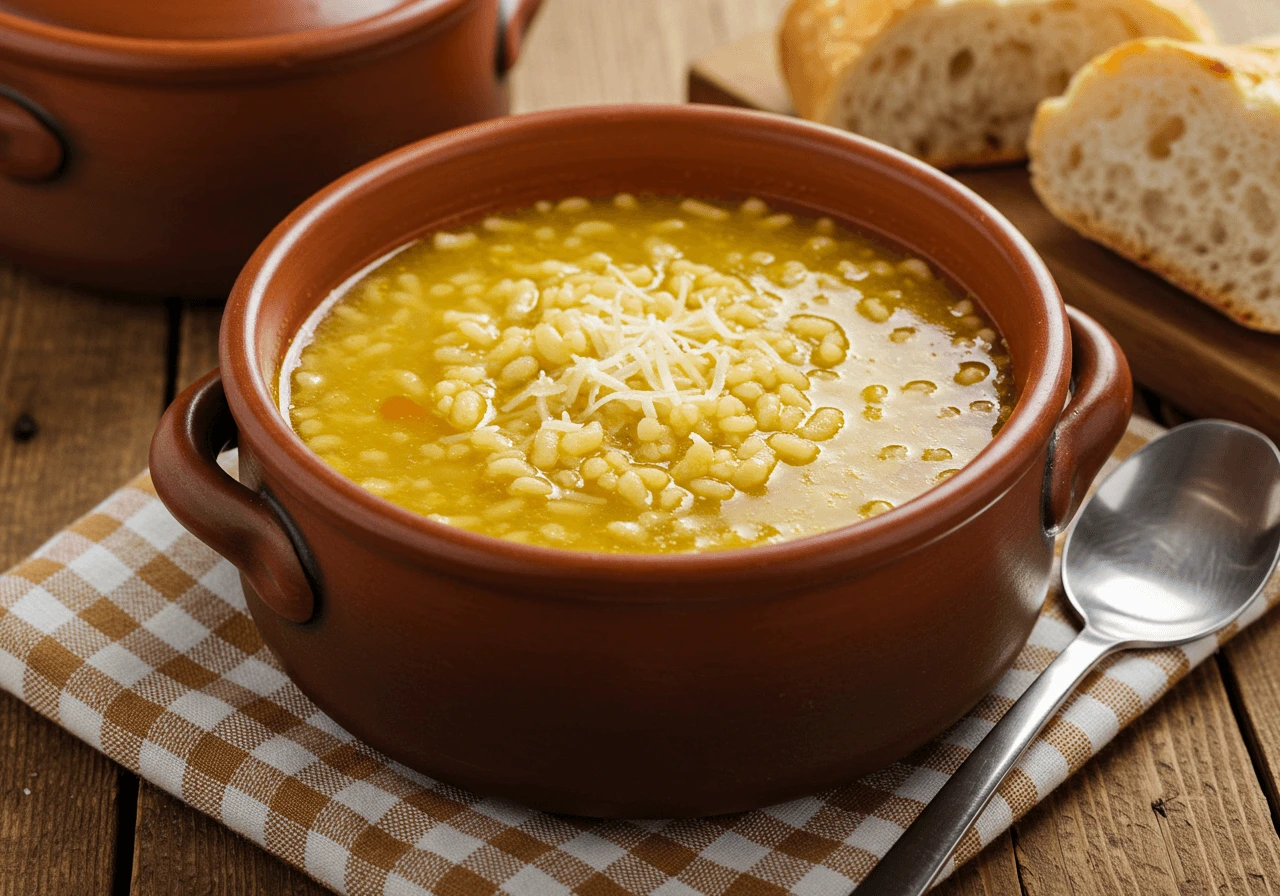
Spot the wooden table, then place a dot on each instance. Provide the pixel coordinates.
(1185, 801)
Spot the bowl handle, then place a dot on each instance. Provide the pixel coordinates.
(238, 523)
(1093, 421)
(32, 150)
(514, 19)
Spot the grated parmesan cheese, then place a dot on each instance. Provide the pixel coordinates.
(636, 352)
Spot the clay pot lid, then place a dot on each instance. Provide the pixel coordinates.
(200, 19)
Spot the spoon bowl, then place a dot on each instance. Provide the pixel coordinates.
(1177, 542)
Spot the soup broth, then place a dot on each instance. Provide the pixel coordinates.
(648, 375)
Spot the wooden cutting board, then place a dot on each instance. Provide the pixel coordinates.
(1184, 351)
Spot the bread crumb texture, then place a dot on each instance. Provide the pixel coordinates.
(1169, 153)
(956, 82)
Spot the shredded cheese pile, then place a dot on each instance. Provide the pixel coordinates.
(656, 348)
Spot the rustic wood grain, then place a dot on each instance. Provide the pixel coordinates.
(58, 809)
(91, 374)
(1171, 806)
(994, 872)
(744, 73)
(1252, 665)
(197, 342)
(179, 851)
(583, 52)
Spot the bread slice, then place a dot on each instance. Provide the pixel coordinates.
(1169, 153)
(956, 82)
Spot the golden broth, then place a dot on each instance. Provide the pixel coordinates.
(649, 375)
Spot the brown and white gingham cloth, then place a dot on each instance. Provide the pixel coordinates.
(134, 636)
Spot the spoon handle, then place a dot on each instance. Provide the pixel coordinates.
(915, 859)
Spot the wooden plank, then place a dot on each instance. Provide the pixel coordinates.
(1252, 664)
(59, 805)
(615, 51)
(197, 342)
(993, 873)
(1171, 806)
(90, 373)
(180, 851)
(1167, 335)
(744, 73)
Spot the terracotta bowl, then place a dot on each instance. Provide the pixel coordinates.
(148, 146)
(643, 685)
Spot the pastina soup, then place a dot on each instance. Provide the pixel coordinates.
(648, 375)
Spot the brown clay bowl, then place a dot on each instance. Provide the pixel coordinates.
(643, 685)
(148, 146)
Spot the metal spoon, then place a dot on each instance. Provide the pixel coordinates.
(1174, 546)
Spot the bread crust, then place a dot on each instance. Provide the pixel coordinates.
(819, 40)
(1253, 69)
(1166, 267)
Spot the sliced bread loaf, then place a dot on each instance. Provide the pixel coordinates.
(956, 82)
(1169, 153)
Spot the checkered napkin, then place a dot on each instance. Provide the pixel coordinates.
(134, 636)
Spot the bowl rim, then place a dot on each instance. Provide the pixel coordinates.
(127, 57)
(413, 537)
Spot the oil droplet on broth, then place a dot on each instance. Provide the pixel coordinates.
(874, 508)
(972, 372)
